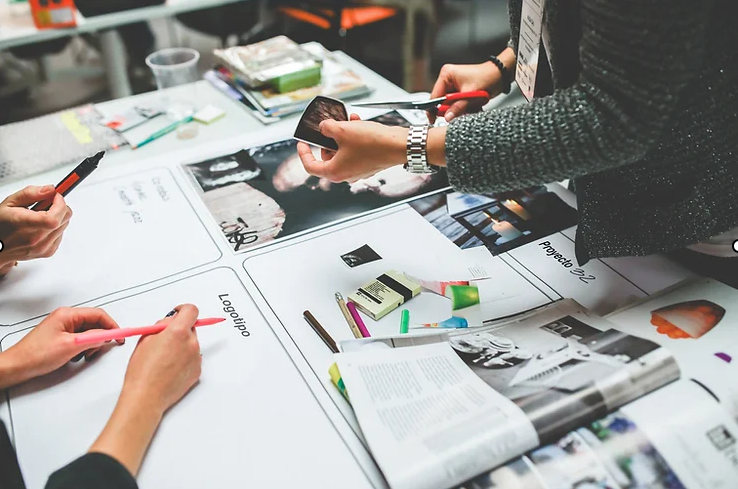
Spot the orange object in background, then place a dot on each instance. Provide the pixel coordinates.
(48, 14)
(350, 17)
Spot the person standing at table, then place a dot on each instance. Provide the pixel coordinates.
(162, 369)
(636, 102)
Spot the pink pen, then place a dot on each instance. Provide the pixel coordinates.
(101, 336)
(355, 314)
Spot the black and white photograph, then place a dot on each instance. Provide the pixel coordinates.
(261, 194)
(558, 363)
(499, 222)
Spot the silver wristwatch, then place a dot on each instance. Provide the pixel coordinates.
(417, 160)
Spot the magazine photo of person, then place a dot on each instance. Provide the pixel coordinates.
(289, 201)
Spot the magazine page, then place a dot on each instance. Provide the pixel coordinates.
(696, 321)
(677, 437)
(556, 368)
(429, 421)
(560, 364)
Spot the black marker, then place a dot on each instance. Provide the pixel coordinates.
(74, 178)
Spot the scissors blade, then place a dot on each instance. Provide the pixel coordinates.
(422, 105)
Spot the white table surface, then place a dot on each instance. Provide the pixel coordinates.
(236, 125)
(18, 30)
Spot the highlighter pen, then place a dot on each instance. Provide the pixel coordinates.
(101, 336)
(347, 316)
(338, 381)
(74, 178)
(162, 132)
(357, 319)
(404, 321)
(320, 331)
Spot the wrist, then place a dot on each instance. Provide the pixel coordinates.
(141, 400)
(13, 369)
(398, 146)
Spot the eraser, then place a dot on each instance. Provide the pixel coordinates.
(208, 114)
(384, 294)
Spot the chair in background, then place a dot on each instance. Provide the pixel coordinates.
(335, 17)
(235, 19)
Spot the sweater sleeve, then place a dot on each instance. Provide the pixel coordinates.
(637, 57)
(92, 471)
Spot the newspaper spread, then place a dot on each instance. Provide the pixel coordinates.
(461, 403)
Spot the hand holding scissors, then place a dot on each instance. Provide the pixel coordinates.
(437, 106)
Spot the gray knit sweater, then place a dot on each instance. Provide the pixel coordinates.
(643, 117)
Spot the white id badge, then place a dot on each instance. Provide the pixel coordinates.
(529, 45)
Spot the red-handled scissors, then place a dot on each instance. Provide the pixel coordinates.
(439, 105)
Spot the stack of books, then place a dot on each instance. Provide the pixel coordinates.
(275, 87)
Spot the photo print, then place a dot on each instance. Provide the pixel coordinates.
(559, 363)
(262, 194)
(500, 222)
(320, 109)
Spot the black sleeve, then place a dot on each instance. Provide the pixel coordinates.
(92, 471)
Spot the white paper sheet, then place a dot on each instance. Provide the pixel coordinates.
(250, 422)
(125, 232)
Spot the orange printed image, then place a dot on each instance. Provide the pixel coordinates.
(690, 319)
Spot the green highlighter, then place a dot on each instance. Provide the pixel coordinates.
(404, 321)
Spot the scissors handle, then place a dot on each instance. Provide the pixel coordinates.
(454, 97)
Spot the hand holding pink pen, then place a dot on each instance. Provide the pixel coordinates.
(101, 336)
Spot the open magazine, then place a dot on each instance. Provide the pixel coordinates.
(437, 410)
(449, 410)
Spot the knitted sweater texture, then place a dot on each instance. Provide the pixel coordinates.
(643, 117)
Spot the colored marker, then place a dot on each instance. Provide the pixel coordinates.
(347, 315)
(74, 178)
(337, 380)
(101, 336)
(162, 132)
(404, 321)
(357, 319)
(320, 331)
(452, 322)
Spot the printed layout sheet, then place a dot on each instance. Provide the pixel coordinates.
(675, 437)
(250, 416)
(696, 321)
(125, 232)
(305, 274)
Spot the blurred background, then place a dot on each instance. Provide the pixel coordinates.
(43, 77)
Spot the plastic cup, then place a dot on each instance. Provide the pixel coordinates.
(175, 70)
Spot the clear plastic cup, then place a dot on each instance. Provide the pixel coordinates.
(175, 70)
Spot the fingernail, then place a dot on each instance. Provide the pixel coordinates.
(47, 188)
(449, 116)
(171, 313)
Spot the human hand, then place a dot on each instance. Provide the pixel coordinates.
(465, 78)
(364, 148)
(51, 344)
(27, 234)
(165, 366)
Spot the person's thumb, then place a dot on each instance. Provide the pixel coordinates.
(30, 195)
(330, 128)
(456, 109)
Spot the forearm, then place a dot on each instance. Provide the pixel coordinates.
(13, 369)
(617, 112)
(128, 433)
